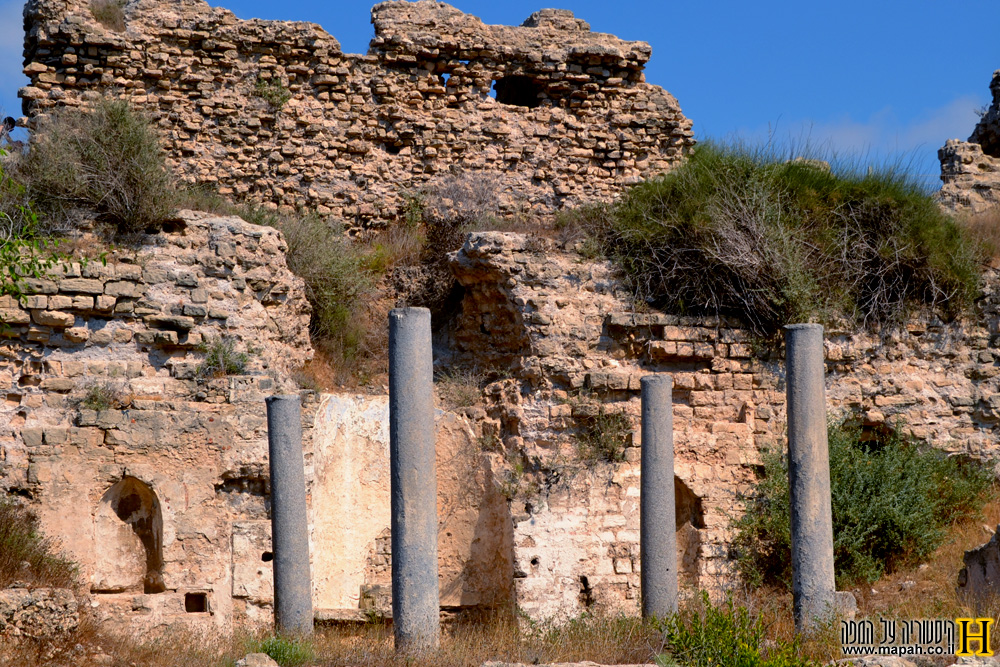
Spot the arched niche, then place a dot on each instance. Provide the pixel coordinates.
(128, 539)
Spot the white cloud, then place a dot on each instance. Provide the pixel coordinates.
(882, 136)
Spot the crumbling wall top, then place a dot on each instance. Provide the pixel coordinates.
(547, 36)
(274, 112)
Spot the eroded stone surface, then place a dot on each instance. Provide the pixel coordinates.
(143, 487)
(979, 580)
(572, 119)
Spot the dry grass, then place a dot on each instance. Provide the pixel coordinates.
(92, 646)
(460, 388)
(603, 639)
(985, 228)
(606, 640)
(109, 13)
(25, 554)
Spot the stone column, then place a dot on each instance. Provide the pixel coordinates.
(413, 481)
(813, 586)
(293, 610)
(657, 514)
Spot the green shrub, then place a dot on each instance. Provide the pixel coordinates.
(20, 543)
(222, 358)
(604, 437)
(724, 636)
(286, 651)
(740, 232)
(273, 92)
(891, 500)
(106, 159)
(338, 282)
(24, 253)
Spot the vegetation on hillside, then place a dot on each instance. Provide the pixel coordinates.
(740, 232)
(892, 499)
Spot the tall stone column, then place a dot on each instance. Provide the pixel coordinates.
(813, 586)
(293, 610)
(415, 595)
(657, 514)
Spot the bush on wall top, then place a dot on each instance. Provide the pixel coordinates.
(107, 159)
(737, 231)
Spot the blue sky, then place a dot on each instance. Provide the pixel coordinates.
(875, 78)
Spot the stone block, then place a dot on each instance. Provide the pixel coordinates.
(81, 286)
(979, 580)
(61, 385)
(104, 303)
(124, 288)
(11, 316)
(53, 318)
(76, 334)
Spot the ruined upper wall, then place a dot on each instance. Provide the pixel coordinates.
(970, 170)
(573, 119)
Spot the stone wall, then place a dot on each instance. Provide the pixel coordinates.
(159, 486)
(970, 170)
(572, 119)
(565, 334)
(142, 485)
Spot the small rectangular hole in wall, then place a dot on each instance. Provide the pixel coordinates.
(196, 603)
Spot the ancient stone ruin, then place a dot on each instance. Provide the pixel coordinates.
(970, 170)
(160, 490)
(276, 113)
(163, 496)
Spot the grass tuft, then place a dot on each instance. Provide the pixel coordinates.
(724, 635)
(604, 437)
(286, 651)
(222, 358)
(103, 396)
(109, 13)
(273, 92)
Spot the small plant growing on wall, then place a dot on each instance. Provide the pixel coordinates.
(604, 437)
(103, 396)
(222, 358)
(273, 92)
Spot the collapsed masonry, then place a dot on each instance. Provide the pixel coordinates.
(162, 494)
(970, 170)
(572, 119)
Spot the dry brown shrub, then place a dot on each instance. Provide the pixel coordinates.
(605, 640)
(985, 228)
(109, 13)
